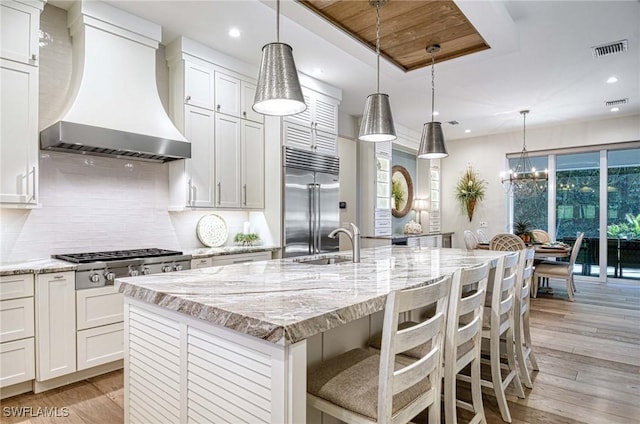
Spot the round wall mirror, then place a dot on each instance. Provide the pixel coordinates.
(401, 191)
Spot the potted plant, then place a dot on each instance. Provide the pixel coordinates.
(469, 190)
(248, 239)
(522, 229)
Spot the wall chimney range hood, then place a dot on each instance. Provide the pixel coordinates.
(113, 107)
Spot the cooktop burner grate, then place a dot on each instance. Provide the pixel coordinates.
(115, 255)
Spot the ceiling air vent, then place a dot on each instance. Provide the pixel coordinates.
(453, 122)
(616, 102)
(609, 48)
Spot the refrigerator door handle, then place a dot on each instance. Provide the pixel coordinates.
(318, 220)
(312, 221)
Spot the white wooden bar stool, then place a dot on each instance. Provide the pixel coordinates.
(524, 349)
(362, 386)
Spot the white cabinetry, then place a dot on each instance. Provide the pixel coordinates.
(211, 105)
(317, 127)
(375, 171)
(230, 259)
(17, 362)
(425, 241)
(19, 29)
(55, 325)
(434, 187)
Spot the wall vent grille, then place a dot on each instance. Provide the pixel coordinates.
(609, 48)
(453, 122)
(616, 102)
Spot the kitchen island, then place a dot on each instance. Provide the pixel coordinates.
(232, 343)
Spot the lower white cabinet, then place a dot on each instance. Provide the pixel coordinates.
(100, 345)
(100, 335)
(241, 258)
(16, 319)
(55, 304)
(425, 241)
(17, 362)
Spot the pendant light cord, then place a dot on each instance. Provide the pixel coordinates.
(524, 131)
(277, 21)
(433, 85)
(378, 47)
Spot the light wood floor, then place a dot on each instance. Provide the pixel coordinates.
(588, 352)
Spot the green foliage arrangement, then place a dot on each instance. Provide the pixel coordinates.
(247, 239)
(469, 190)
(522, 229)
(625, 230)
(396, 192)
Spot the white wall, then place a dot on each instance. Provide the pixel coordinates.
(348, 153)
(487, 156)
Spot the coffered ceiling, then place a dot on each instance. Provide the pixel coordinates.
(406, 28)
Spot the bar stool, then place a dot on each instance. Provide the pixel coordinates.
(364, 386)
(524, 349)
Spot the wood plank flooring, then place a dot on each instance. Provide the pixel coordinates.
(588, 352)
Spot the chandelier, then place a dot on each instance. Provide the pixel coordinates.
(524, 176)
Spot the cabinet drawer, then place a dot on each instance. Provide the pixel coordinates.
(16, 319)
(201, 263)
(15, 286)
(385, 231)
(17, 362)
(383, 223)
(241, 258)
(383, 214)
(99, 306)
(100, 345)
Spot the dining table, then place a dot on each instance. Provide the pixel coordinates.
(542, 251)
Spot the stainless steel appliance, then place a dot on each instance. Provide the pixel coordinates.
(98, 269)
(311, 202)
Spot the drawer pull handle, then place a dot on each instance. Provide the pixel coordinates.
(58, 277)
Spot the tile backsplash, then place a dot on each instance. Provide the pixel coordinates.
(91, 203)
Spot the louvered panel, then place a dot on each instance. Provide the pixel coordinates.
(297, 135)
(326, 115)
(302, 118)
(326, 142)
(199, 415)
(227, 379)
(154, 367)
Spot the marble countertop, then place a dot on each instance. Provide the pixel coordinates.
(284, 301)
(400, 236)
(37, 266)
(206, 252)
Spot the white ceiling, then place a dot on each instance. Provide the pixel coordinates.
(540, 59)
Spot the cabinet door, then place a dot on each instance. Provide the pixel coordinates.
(16, 362)
(227, 161)
(252, 165)
(303, 118)
(19, 26)
(199, 130)
(55, 325)
(325, 142)
(297, 136)
(99, 306)
(248, 95)
(16, 319)
(325, 114)
(227, 94)
(100, 345)
(198, 85)
(18, 133)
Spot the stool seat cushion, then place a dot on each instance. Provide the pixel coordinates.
(350, 380)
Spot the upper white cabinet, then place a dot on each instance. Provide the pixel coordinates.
(19, 103)
(317, 127)
(211, 105)
(19, 30)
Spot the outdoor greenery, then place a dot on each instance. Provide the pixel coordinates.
(625, 230)
(469, 190)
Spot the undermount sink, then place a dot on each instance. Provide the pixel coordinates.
(323, 261)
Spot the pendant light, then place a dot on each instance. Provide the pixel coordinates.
(432, 142)
(278, 91)
(377, 121)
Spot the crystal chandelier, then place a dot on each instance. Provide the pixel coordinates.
(524, 176)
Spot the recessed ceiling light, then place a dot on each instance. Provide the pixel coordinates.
(234, 33)
(467, 131)
(615, 109)
(436, 113)
(612, 80)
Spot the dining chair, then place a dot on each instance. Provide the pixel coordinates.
(497, 325)
(540, 236)
(507, 242)
(482, 236)
(470, 240)
(524, 347)
(559, 270)
(365, 386)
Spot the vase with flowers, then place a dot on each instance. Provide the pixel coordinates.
(469, 190)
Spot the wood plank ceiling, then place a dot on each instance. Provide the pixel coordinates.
(407, 27)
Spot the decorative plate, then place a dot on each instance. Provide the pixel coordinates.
(212, 230)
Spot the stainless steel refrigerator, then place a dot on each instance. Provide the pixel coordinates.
(311, 202)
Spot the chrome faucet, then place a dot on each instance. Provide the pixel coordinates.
(353, 236)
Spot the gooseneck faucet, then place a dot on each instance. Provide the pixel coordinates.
(354, 237)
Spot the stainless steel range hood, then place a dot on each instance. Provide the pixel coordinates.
(113, 107)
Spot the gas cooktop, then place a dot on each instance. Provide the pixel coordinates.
(115, 255)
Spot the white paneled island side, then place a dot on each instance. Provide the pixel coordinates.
(232, 343)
